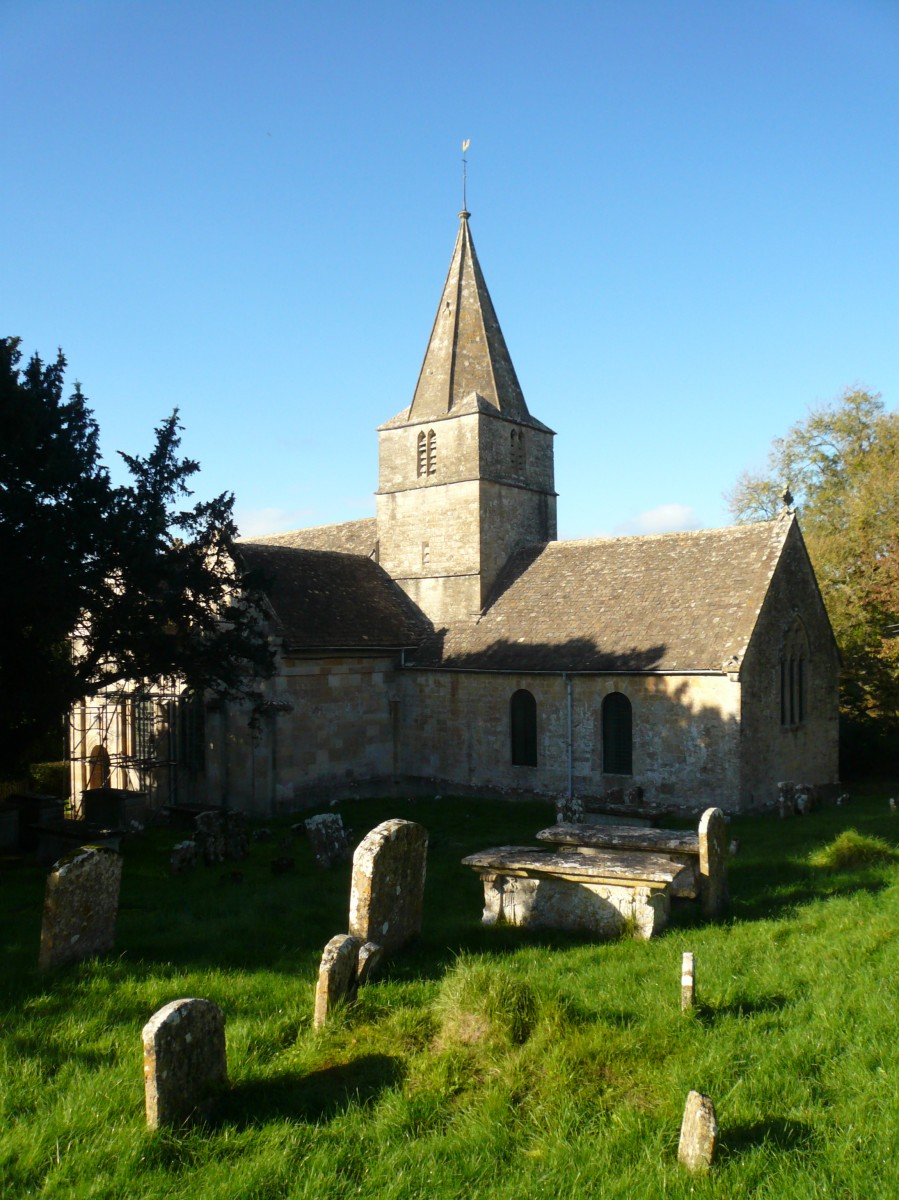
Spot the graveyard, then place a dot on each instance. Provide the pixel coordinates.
(466, 1059)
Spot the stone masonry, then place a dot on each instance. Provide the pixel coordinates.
(388, 884)
(81, 904)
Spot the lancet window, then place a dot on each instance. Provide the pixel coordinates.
(794, 675)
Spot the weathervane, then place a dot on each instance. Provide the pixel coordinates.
(465, 146)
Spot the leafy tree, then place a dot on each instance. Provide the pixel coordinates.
(842, 465)
(102, 584)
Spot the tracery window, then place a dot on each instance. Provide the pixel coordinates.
(794, 659)
(523, 727)
(617, 735)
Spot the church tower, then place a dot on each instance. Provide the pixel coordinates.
(465, 473)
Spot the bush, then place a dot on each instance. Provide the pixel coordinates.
(50, 778)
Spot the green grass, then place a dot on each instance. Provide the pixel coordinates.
(482, 1062)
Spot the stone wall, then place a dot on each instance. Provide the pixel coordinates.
(325, 725)
(445, 536)
(804, 751)
(454, 727)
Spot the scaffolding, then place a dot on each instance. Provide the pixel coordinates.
(136, 740)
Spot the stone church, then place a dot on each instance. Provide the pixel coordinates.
(452, 645)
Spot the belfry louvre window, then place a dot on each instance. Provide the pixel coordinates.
(523, 725)
(426, 460)
(617, 735)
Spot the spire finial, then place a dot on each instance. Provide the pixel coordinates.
(465, 213)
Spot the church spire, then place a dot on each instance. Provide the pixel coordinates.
(467, 366)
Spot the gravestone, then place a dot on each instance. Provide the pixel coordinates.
(688, 980)
(81, 903)
(388, 884)
(210, 837)
(346, 965)
(337, 976)
(328, 840)
(698, 1133)
(236, 835)
(184, 1061)
(713, 862)
(183, 857)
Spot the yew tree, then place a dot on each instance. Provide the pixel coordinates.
(102, 584)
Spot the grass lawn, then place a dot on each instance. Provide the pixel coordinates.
(490, 1063)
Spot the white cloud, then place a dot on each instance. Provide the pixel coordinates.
(256, 522)
(666, 518)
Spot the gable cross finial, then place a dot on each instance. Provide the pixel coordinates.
(465, 146)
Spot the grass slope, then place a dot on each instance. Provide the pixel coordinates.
(480, 1062)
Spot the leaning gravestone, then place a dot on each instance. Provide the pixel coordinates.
(713, 862)
(346, 965)
(184, 1061)
(388, 884)
(698, 1133)
(328, 839)
(336, 976)
(81, 904)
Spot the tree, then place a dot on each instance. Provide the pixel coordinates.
(102, 584)
(842, 465)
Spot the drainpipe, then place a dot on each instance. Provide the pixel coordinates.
(567, 679)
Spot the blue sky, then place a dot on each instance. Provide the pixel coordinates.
(687, 214)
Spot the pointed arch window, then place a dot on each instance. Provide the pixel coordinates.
(794, 660)
(523, 726)
(422, 455)
(617, 735)
(432, 452)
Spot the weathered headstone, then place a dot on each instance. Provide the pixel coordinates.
(237, 838)
(698, 1133)
(337, 976)
(184, 1061)
(369, 957)
(183, 857)
(688, 981)
(210, 837)
(713, 862)
(81, 903)
(388, 883)
(892, 804)
(346, 965)
(328, 840)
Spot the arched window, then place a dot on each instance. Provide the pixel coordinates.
(617, 735)
(523, 724)
(432, 452)
(100, 769)
(422, 455)
(794, 658)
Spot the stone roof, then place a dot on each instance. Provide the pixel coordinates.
(673, 602)
(326, 600)
(347, 537)
(467, 366)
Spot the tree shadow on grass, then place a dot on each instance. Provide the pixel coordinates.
(775, 1132)
(316, 1096)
